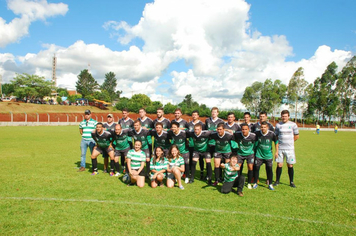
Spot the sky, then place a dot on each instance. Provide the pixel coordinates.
(167, 49)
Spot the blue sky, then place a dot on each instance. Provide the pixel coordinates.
(171, 47)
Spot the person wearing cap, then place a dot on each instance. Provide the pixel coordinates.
(109, 126)
(86, 127)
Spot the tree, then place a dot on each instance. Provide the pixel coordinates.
(31, 86)
(152, 109)
(62, 92)
(169, 108)
(8, 89)
(272, 94)
(109, 85)
(141, 99)
(252, 97)
(86, 84)
(297, 92)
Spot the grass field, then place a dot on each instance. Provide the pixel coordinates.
(42, 194)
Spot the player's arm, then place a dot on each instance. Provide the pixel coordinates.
(229, 130)
(276, 154)
(141, 167)
(81, 131)
(296, 137)
(222, 165)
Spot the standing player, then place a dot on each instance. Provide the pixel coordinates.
(210, 124)
(247, 120)
(246, 142)
(160, 118)
(263, 153)
(103, 141)
(222, 149)
(201, 150)
(191, 124)
(136, 164)
(232, 127)
(232, 178)
(126, 123)
(109, 126)
(161, 138)
(146, 123)
(287, 133)
(86, 127)
(179, 138)
(138, 133)
(183, 124)
(122, 146)
(257, 126)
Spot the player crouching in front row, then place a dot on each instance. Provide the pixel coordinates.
(232, 177)
(158, 168)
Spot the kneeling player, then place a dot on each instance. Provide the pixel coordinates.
(135, 164)
(158, 168)
(264, 139)
(232, 177)
(103, 146)
(175, 167)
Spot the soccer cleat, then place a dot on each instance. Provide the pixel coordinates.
(292, 185)
(215, 183)
(130, 184)
(270, 187)
(186, 180)
(95, 173)
(255, 186)
(105, 171)
(117, 174)
(249, 186)
(81, 169)
(181, 187)
(201, 175)
(191, 181)
(276, 183)
(112, 174)
(240, 194)
(210, 182)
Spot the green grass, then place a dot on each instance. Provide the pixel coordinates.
(42, 194)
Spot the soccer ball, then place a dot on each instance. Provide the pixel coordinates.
(126, 178)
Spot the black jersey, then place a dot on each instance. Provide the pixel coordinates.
(257, 127)
(234, 127)
(126, 124)
(109, 127)
(180, 140)
(102, 140)
(121, 140)
(182, 123)
(223, 143)
(192, 124)
(200, 141)
(211, 124)
(264, 144)
(161, 140)
(147, 122)
(165, 122)
(246, 143)
(142, 136)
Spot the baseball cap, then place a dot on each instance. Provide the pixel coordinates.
(110, 115)
(87, 112)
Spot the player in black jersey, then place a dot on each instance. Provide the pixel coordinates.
(222, 150)
(232, 127)
(257, 126)
(160, 118)
(103, 140)
(183, 124)
(122, 146)
(161, 138)
(210, 124)
(146, 123)
(191, 124)
(247, 120)
(109, 126)
(126, 123)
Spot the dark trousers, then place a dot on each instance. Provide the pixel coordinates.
(239, 182)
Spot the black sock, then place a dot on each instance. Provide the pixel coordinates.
(291, 174)
(256, 171)
(186, 170)
(117, 167)
(192, 170)
(112, 165)
(122, 160)
(147, 167)
(209, 170)
(249, 176)
(241, 168)
(217, 173)
(278, 173)
(201, 164)
(94, 163)
(269, 172)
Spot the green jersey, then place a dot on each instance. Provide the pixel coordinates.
(102, 140)
(230, 174)
(141, 135)
(136, 158)
(87, 126)
(180, 140)
(121, 140)
(200, 141)
(211, 124)
(264, 144)
(246, 144)
(162, 164)
(176, 162)
(223, 143)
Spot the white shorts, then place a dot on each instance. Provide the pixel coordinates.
(289, 154)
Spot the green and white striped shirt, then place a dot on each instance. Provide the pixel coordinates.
(136, 158)
(159, 165)
(230, 174)
(87, 126)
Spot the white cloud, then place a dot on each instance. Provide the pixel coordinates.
(29, 11)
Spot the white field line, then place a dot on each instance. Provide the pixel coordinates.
(178, 207)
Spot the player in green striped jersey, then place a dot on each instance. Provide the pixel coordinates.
(232, 177)
(175, 167)
(135, 164)
(158, 166)
(86, 127)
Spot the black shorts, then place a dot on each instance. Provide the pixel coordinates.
(119, 153)
(104, 151)
(220, 155)
(185, 157)
(142, 173)
(147, 152)
(267, 162)
(249, 159)
(205, 155)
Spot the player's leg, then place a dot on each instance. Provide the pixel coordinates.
(195, 159)
(269, 172)
(141, 179)
(209, 170)
(227, 187)
(106, 162)
(290, 158)
(279, 161)
(239, 183)
(258, 163)
(159, 179)
(178, 177)
(201, 165)
(170, 180)
(186, 167)
(111, 154)
(217, 161)
(148, 159)
(83, 150)
(117, 155)
(94, 161)
(250, 165)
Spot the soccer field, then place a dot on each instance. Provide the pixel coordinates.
(42, 194)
